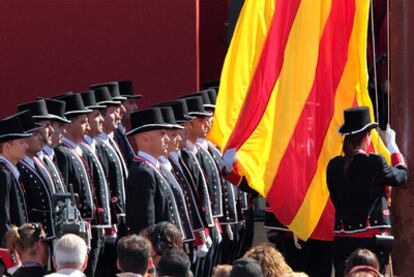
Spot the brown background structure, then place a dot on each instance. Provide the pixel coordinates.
(49, 47)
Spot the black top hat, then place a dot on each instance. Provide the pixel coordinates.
(147, 120)
(126, 89)
(88, 98)
(357, 120)
(205, 97)
(57, 97)
(57, 109)
(180, 110)
(28, 123)
(212, 93)
(196, 107)
(11, 128)
(104, 97)
(113, 88)
(74, 105)
(211, 83)
(38, 109)
(246, 267)
(169, 118)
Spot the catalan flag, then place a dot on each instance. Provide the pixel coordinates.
(291, 69)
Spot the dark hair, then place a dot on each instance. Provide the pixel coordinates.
(174, 263)
(361, 257)
(351, 143)
(23, 239)
(163, 236)
(134, 253)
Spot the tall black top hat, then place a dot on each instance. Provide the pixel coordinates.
(28, 123)
(205, 97)
(74, 105)
(147, 120)
(126, 89)
(169, 118)
(212, 93)
(38, 109)
(113, 88)
(211, 83)
(57, 109)
(357, 120)
(88, 98)
(11, 128)
(180, 110)
(195, 106)
(104, 97)
(57, 97)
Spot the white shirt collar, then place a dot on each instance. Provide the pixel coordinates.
(191, 147)
(121, 128)
(111, 135)
(91, 142)
(165, 163)
(29, 161)
(11, 166)
(40, 155)
(103, 136)
(128, 274)
(203, 143)
(73, 145)
(49, 151)
(175, 157)
(149, 158)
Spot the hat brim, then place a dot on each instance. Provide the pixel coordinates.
(96, 107)
(146, 128)
(204, 114)
(134, 96)
(78, 112)
(183, 120)
(13, 136)
(37, 127)
(176, 126)
(108, 102)
(119, 98)
(51, 117)
(345, 130)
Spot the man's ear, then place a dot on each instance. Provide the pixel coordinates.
(85, 264)
(150, 263)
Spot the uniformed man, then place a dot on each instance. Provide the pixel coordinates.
(35, 177)
(13, 146)
(149, 197)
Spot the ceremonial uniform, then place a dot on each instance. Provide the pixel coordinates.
(124, 145)
(46, 162)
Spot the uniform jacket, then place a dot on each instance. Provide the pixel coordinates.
(124, 146)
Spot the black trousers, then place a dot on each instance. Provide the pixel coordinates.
(107, 260)
(97, 244)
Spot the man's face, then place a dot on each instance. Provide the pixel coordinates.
(79, 126)
(34, 142)
(158, 141)
(183, 133)
(16, 148)
(95, 123)
(110, 119)
(130, 106)
(120, 113)
(46, 133)
(175, 140)
(58, 132)
(199, 127)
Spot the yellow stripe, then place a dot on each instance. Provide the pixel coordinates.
(260, 155)
(240, 65)
(353, 80)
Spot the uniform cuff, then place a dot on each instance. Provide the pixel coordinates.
(397, 159)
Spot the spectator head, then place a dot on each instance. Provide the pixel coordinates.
(174, 263)
(271, 261)
(163, 236)
(29, 242)
(134, 254)
(71, 252)
(246, 267)
(361, 257)
(222, 270)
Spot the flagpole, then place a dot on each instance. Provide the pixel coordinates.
(402, 114)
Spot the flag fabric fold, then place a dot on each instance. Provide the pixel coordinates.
(291, 69)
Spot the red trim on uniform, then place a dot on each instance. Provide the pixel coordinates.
(397, 159)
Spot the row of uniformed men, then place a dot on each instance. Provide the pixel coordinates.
(80, 140)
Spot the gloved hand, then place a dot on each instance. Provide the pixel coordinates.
(229, 159)
(390, 139)
(209, 242)
(229, 232)
(202, 250)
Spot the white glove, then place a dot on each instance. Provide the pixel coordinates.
(219, 236)
(209, 242)
(390, 138)
(202, 250)
(229, 232)
(229, 159)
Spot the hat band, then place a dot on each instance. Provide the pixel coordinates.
(373, 125)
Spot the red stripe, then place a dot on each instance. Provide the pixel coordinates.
(300, 160)
(325, 228)
(267, 73)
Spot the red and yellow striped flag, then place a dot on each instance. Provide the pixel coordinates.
(292, 67)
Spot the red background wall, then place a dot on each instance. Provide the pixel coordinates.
(48, 47)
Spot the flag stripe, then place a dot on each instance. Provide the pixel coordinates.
(240, 65)
(299, 162)
(284, 107)
(267, 72)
